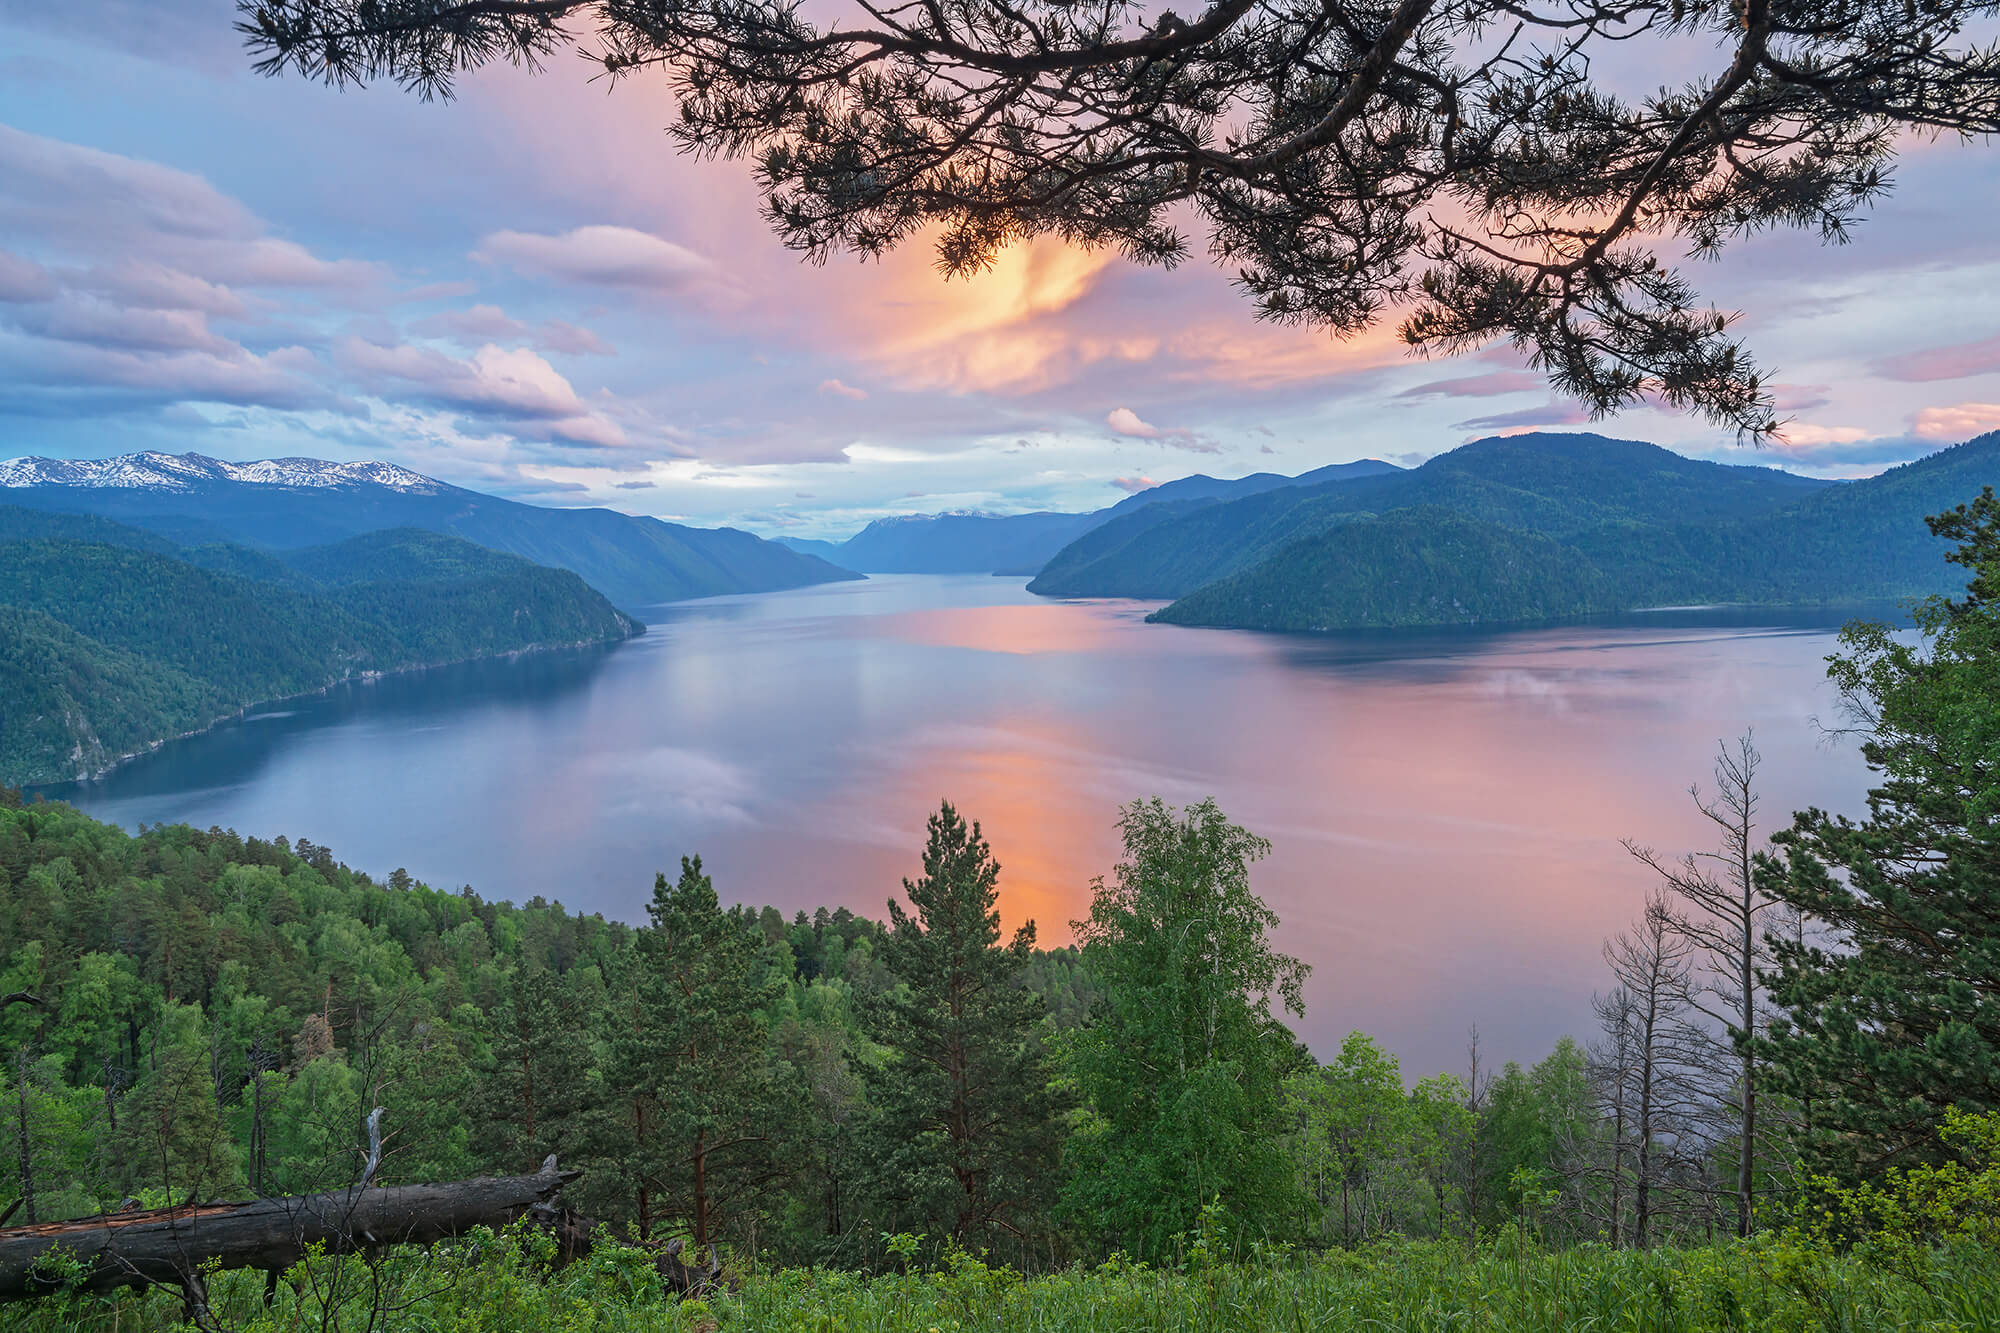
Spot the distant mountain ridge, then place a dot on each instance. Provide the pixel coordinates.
(284, 503)
(970, 541)
(1550, 483)
(112, 641)
(152, 470)
(1555, 527)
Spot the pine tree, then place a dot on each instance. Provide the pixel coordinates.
(533, 1100)
(703, 1118)
(171, 1133)
(1895, 1015)
(967, 1137)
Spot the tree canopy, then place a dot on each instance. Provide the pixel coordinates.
(1465, 163)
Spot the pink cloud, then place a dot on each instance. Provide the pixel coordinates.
(840, 390)
(23, 281)
(514, 387)
(1551, 413)
(1958, 422)
(606, 256)
(1804, 435)
(1952, 362)
(481, 323)
(1133, 485)
(571, 340)
(1125, 421)
(1478, 386)
(1800, 397)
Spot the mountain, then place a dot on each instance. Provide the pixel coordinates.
(108, 645)
(1422, 566)
(827, 551)
(284, 503)
(960, 543)
(1201, 486)
(1839, 543)
(979, 543)
(1554, 484)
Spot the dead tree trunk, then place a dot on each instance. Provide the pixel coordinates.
(169, 1246)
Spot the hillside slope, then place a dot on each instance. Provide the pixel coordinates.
(1862, 540)
(1554, 484)
(106, 648)
(289, 503)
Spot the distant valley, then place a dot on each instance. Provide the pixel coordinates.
(980, 543)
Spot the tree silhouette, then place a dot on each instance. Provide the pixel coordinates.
(1461, 162)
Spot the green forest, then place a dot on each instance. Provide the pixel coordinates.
(112, 639)
(1788, 1115)
(1529, 528)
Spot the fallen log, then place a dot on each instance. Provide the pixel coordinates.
(170, 1246)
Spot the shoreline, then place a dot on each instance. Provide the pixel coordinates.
(359, 677)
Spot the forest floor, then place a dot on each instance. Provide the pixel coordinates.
(1772, 1283)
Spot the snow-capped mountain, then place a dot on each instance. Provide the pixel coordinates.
(284, 503)
(153, 471)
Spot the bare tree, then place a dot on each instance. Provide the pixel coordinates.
(1463, 161)
(1612, 1062)
(1660, 1045)
(1716, 904)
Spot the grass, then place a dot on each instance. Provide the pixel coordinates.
(491, 1285)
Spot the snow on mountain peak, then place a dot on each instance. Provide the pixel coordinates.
(178, 472)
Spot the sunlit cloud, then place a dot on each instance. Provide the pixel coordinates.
(1805, 435)
(1125, 421)
(1956, 361)
(1133, 485)
(606, 256)
(1957, 422)
(840, 390)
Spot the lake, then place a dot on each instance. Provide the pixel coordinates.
(1445, 808)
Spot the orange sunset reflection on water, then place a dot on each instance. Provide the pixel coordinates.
(1445, 809)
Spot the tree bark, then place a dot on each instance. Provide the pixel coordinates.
(170, 1245)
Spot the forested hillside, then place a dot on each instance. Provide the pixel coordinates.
(1554, 484)
(1564, 521)
(285, 504)
(115, 643)
(1421, 566)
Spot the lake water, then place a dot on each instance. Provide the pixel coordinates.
(1446, 808)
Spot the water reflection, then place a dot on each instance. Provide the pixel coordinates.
(1445, 808)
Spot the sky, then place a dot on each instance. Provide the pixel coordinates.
(528, 291)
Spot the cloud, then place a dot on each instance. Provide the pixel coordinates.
(23, 281)
(1548, 414)
(1133, 485)
(45, 376)
(1488, 385)
(512, 386)
(479, 324)
(1125, 421)
(1959, 422)
(1799, 397)
(75, 317)
(1951, 362)
(563, 339)
(600, 255)
(842, 390)
(1798, 434)
(635, 485)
